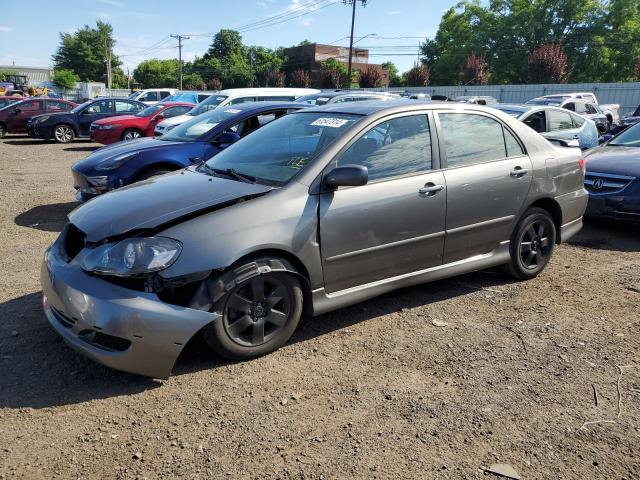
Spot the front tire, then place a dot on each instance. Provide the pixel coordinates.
(258, 314)
(532, 244)
(63, 134)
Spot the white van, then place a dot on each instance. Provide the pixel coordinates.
(151, 96)
(235, 96)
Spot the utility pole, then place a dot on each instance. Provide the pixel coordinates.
(107, 48)
(353, 23)
(180, 38)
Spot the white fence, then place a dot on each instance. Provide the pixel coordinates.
(627, 95)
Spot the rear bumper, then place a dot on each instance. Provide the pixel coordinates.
(123, 329)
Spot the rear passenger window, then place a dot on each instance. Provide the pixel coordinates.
(122, 107)
(470, 139)
(514, 149)
(53, 106)
(164, 94)
(277, 99)
(577, 120)
(397, 147)
(559, 120)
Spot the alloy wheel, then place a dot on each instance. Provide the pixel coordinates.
(132, 134)
(63, 134)
(535, 244)
(257, 310)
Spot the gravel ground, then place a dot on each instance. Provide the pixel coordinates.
(436, 381)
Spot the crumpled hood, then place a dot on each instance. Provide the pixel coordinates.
(120, 148)
(614, 160)
(154, 202)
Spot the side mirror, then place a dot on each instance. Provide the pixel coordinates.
(347, 176)
(226, 138)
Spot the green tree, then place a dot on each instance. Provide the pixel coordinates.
(64, 78)
(333, 74)
(85, 53)
(226, 43)
(5, 73)
(264, 61)
(395, 80)
(156, 73)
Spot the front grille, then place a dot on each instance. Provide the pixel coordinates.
(605, 183)
(74, 241)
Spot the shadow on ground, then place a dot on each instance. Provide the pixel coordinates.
(26, 141)
(50, 218)
(38, 370)
(81, 149)
(608, 235)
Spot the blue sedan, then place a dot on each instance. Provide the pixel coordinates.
(123, 163)
(613, 177)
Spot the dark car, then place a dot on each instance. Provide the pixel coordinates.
(613, 177)
(123, 163)
(64, 127)
(14, 118)
(631, 119)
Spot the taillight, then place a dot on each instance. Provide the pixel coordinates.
(583, 165)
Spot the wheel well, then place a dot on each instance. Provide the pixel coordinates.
(554, 210)
(158, 166)
(297, 264)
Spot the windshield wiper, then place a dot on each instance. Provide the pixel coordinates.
(243, 177)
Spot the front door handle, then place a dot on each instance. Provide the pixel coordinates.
(430, 189)
(519, 172)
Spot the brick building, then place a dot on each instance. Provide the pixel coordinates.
(308, 57)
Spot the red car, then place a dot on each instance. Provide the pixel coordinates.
(4, 101)
(14, 117)
(142, 124)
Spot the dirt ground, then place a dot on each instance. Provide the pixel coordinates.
(437, 381)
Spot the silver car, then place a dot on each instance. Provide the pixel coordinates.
(315, 211)
(555, 123)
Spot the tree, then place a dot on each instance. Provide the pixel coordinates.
(85, 53)
(300, 78)
(418, 76)
(370, 77)
(155, 73)
(214, 84)
(64, 78)
(474, 71)
(265, 61)
(193, 81)
(548, 64)
(275, 79)
(333, 74)
(5, 73)
(226, 43)
(395, 80)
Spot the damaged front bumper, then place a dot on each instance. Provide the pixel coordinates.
(121, 328)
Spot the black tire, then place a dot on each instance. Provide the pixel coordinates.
(3, 130)
(532, 244)
(154, 172)
(260, 308)
(63, 133)
(131, 134)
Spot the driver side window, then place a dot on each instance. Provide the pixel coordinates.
(401, 146)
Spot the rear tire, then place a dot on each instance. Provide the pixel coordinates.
(532, 244)
(63, 134)
(131, 134)
(259, 313)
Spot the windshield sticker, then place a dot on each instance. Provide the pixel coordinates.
(220, 98)
(296, 163)
(329, 122)
(323, 99)
(233, 111)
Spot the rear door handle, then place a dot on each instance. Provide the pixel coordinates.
(430, 189)
(519, 172)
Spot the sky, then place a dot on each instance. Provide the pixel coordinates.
(142, 27)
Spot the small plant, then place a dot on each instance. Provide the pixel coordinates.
(275, 79)
(418, 76)
(474, 71)
(370, 77)
(214, 84)
(548, 64)
(300, 78)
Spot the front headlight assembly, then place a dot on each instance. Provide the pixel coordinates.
(115, 162)
(132, 257)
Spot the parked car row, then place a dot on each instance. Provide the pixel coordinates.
(287, 209)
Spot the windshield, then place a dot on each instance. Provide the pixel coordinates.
(191, 130)
(181, 97)
(209, 104)
(314, 99)
(628, 138)
(147, 112)
(275, 153)
(545, 101)
(81, 106)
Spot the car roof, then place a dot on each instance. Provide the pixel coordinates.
(256, 91)
(257, 107)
